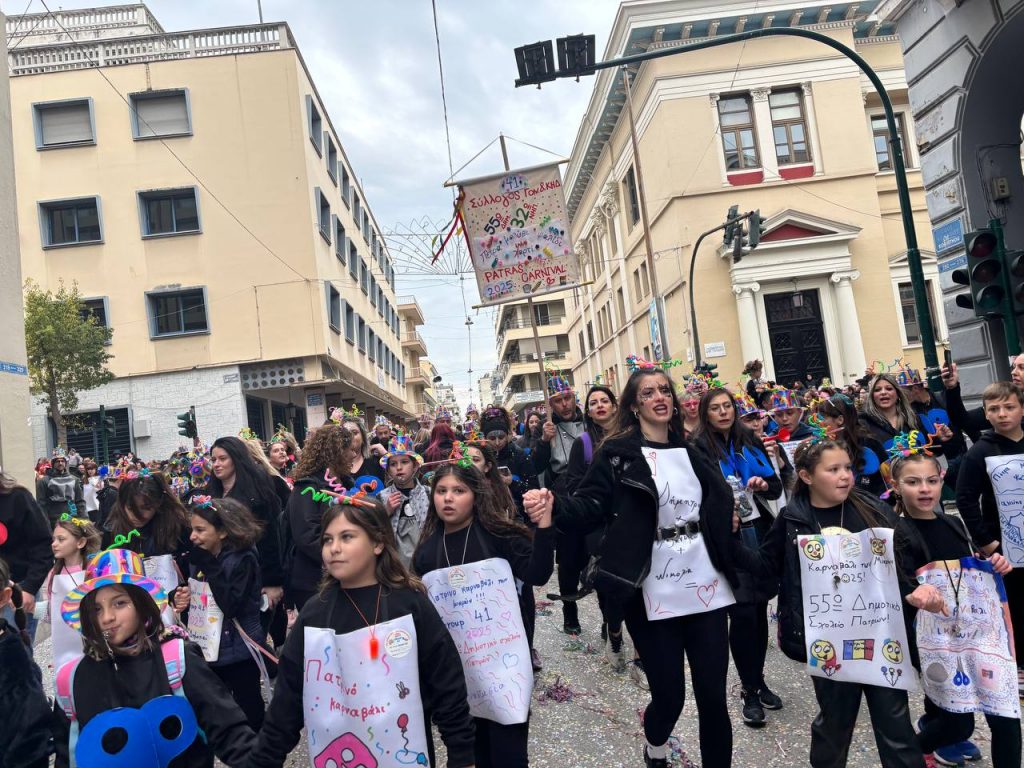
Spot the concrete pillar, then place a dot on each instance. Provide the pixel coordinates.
(746, 313)
(849, 326)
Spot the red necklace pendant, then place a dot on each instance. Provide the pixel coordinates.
(374, 647)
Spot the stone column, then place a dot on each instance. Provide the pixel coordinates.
(765, 137)
(849, 325)
(811, 127)
(746, 314)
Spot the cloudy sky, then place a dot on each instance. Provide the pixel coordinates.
(375, 65)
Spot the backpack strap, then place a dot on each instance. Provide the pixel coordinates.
(588, 448)
(174, 660)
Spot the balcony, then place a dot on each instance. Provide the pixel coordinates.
(524, 364)
(519, 328)
(409, 308)
(412, 341)
(417, 377)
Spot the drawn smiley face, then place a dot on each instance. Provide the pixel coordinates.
(813, 549)
(823, 651)
(893, 651)
(878, 547)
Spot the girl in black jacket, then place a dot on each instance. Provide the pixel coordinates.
(744, 463)
(664, 511)
(24, 538)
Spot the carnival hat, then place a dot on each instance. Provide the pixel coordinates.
(442, 413)
(745, 405)
(559, 384)
(784, 400)
(400, 445)
(906, 376)
(107, 568)
(471, 408)
(60, 453)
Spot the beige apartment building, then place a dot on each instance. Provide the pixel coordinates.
(519, 378)
(787, 126)
(195, 187)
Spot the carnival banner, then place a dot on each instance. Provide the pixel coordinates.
(853, 612)
(478, 604)
(205, 619)
(518, 234)
(1007, 475)
(361, 710)
(967, 660)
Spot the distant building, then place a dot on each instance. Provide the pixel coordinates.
(489, 390)
(445, 394)
(518, 376)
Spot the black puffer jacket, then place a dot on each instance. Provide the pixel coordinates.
(25, 718)
(618, 495)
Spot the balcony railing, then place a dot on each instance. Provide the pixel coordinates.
(510, 360)
(413, 336)
(193, 44)
(524, 322)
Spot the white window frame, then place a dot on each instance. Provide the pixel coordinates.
(45, 233)
(37, 122)
(144, 95)
(150, 295)
(142, 196)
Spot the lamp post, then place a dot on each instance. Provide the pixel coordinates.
(576, 58)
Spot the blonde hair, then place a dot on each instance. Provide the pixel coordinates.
(255, 448)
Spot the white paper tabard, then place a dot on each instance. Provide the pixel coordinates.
(1007, 476)
(205, 619)
(67, 642)
(164, 571)
(360, 711)
(853, 612)
(478, 604)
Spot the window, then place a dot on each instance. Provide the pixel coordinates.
(323, 214)
(640, 284)
(883, 146)
(357, 211)
(175, 313)
(334, 308)
(542, 314)
(361, 333)
(340, 241)
(64, 124)
(380, 352)
(315, 125)
(346, 188)
(590, 335)
(583, 349)
(156, 114)
(631, 197)
(353, 260)
(907, 307)
(70, 222)
(332, 158)
(371, 343)
(364, 276)
(737, 121)
(620, 299)
(96, 308)
(645, 282)
(350, 324)
(380, 301)
(789, 127)
(373, 290)
(169, 212)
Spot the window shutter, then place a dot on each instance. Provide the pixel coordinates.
(66, 124)
(162, 115)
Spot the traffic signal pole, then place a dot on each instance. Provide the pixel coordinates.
(1009, 317)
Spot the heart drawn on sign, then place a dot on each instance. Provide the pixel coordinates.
(706, 592)
(507, 615)
(510, 660)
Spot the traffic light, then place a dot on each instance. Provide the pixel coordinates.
(1014, 261)
(739, 243)
(730, 225)
(706, 369)
(187, 423)
(107, 423)
(757, 228)
(984, 275)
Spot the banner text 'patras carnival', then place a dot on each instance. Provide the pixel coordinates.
(518, 234)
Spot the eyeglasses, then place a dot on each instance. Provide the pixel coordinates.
(647, 393)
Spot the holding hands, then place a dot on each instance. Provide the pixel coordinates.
(539, 504)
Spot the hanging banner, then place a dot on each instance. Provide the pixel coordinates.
(967, 660)
(853, 612)
(205, 619)
(1007, 475)
(478, 604)
(361, 711)
(518, 234)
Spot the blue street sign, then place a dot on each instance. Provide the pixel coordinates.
(957, 262)
(21, 370)
(949, 235)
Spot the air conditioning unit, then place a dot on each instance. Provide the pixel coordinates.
(141, 428)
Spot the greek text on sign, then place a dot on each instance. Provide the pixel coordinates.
(853, 612)
(478, 604)
(518, 234)
(967, 662)
(1007, 476)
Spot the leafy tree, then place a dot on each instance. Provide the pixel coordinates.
(67, 351)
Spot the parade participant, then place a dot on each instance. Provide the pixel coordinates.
(465, 514)
(756, 383)
(975, 498)
(283, 450)
(382, 434)
(689, 402)
(646, 522)
(533, 430)
(75, 541)
(787, 413)
(25, 718)
(225, 572)
(511, 462)
(839, 416)
(58, 487)
(92, 484)
(745, 466)
(972, 422)
(323, 466)
(825, 502)
(360, 462)
(442, 416)
(258, 454)
(442, 439)
(42, 467)
(407, 499)
(887, 411)
(237, 476)
(372, 619)
(134, 676)
(929, 535)
(24, 539)
(755, 419)
(421, 440)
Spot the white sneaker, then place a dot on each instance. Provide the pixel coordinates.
(637, 674)
(616, 659)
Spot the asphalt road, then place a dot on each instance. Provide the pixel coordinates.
(598, 726)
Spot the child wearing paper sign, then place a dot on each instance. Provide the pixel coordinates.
(368, 663)
(965, 653)
(467, 525)
(824, 506)
(223, 598)
(75, 541)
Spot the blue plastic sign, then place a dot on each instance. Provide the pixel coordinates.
(949, 235)
(5, 367)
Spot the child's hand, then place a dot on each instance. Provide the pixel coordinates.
(944, 433)
(757, 485)
(989, 548)
(182, 596)
(1000, 564)
(772, 449)
(928, 598)
(539, 507)
(735, 521)
(394, 500)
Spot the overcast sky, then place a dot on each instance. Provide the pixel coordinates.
(375, 65)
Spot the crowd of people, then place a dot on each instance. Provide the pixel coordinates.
(247, 591)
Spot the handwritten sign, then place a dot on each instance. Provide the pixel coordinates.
(361, 711)
(67, 642)
(163, 570)
(1007, 475)
(853, 612)
(518, 234)
(205, 619)
(967, 662)
(479, 605)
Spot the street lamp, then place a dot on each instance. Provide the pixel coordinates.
(536, 66)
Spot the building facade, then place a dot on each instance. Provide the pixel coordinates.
(16, 453)
(196, 189)
(519, 379)
(784, 125)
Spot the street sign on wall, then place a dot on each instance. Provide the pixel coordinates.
(948, 236)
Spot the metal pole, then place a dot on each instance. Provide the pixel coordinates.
(259, 6)
(697, 360)
(1009, 319)
(917, 280)
(529, 299)
(104, 445)
(645, 221)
